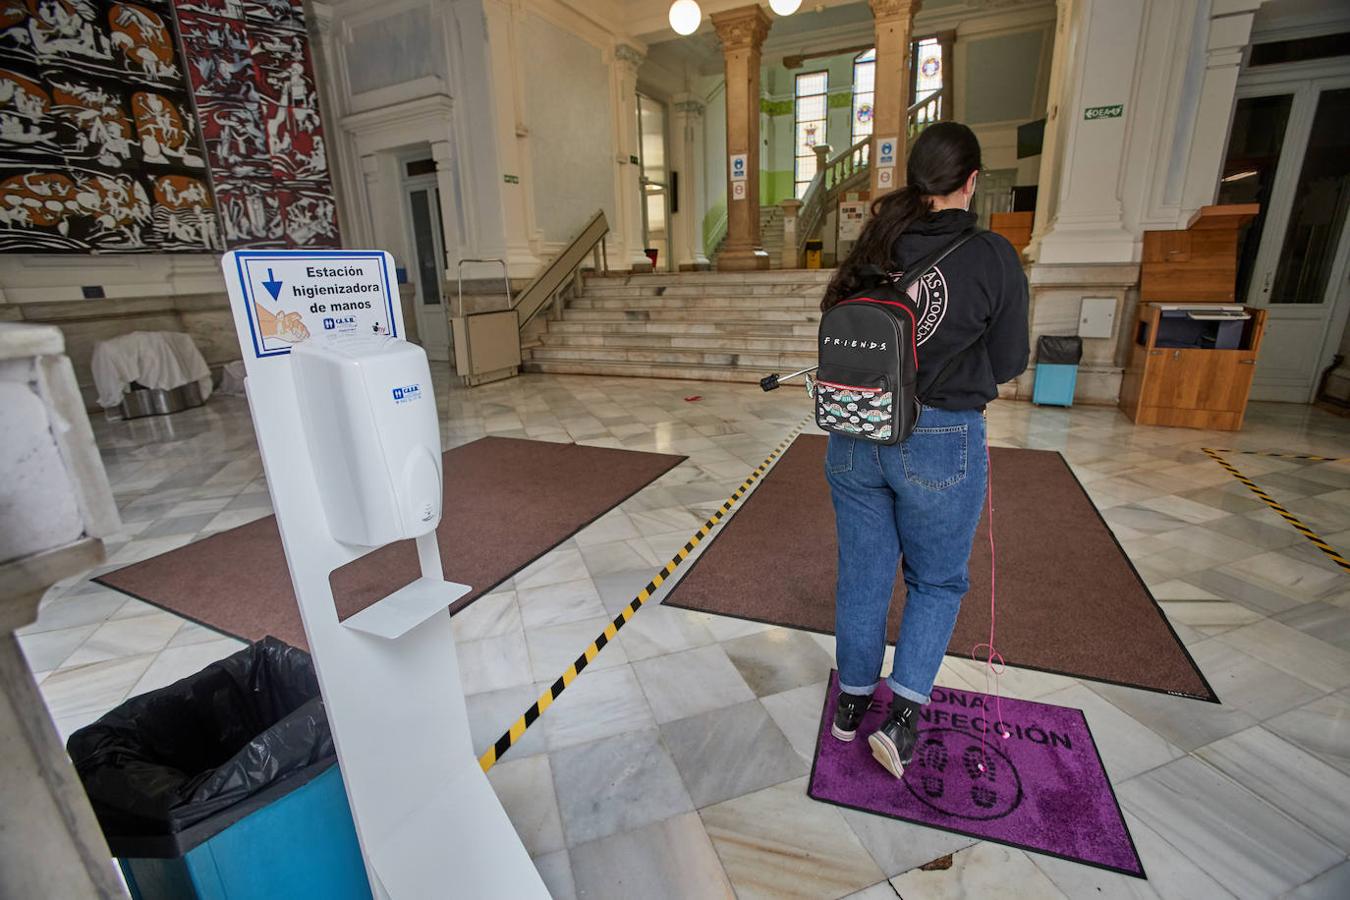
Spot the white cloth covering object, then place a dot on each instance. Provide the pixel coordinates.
(160, 360)
(232, 379)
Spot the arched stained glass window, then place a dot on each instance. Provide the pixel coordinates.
(864, 93)
(810, 121)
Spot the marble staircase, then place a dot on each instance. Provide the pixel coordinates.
(770, 236)
(713, 326)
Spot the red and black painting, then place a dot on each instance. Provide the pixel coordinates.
(253, 81)
(95, 115)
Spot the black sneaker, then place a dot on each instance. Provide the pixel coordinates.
(848, 714)
(893, 743)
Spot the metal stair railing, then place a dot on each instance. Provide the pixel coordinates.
(925, 112)
(487, 342)
(844, 172)
(551, 284)
(850, 169)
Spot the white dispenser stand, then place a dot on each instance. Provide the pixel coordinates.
(428, 821)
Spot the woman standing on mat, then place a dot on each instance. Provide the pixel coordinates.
(920, 500)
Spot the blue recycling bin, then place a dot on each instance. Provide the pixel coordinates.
(302, 844)
(1057, 359)
(225, 785)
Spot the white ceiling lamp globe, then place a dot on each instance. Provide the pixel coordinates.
(785, 7)
(685, 16)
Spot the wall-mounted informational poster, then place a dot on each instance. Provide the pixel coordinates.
(99, 146)
(253, 81)
(160, 125)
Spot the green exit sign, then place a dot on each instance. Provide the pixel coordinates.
(1104, 112)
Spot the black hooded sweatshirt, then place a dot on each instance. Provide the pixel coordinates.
(972, 311)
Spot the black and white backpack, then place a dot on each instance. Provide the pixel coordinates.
(865, 385)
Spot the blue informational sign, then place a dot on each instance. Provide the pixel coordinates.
(290, 296)
(886, 151)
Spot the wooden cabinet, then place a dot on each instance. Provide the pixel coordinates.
(1015, 226)
(1177, 373)
(1189, 387)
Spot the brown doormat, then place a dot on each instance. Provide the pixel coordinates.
(1069, 600)
(507, 502)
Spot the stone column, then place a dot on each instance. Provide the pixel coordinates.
(686, 158)
(947, 41)
(442, 155)
(1088, 223)
(628, 190)
(512, 178)
(742, 32)
(1047, 192)
(1228, 36)
(791, 208)
(893, 22)
(822, 156)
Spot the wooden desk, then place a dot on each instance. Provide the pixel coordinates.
(1190, 386)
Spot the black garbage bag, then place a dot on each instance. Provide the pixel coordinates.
(173, 757)
(1060, 350)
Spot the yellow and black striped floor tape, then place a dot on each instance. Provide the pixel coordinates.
(1285, 514)
(1279, 455)
(546, 699)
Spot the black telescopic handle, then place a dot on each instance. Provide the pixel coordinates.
(772, 382)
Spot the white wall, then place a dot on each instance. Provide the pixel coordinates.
(567, 105)
(713, 92)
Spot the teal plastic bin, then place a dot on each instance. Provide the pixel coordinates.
(300, 845)
(224, 785)
(1054, 384)
(1057, 359)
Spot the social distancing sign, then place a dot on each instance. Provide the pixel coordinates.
(290, 296)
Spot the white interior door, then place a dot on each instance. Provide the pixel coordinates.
(427, 240)
(1290, 151)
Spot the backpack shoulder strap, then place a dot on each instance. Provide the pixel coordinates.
(920, 269)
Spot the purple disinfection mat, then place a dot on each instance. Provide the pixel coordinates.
(1043, 789)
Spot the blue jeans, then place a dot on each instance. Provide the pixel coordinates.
(920, 501)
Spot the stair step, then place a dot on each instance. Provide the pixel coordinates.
(685, 372)
(762, 276)
(667, 301)
(767, 291)
(729, 343)
(767, 361)
(741, 328)
(766, 314)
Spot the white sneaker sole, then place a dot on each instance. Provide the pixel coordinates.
(840, 735)
(886, 753)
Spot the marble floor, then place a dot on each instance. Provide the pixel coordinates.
(676, 764)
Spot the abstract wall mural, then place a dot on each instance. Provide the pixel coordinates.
(251, 75)
(99, 147)
(114, 137)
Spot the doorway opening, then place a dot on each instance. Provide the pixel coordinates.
(426, 241)
(1289, 151)
(655, 181)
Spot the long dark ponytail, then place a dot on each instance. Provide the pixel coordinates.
(940, 161)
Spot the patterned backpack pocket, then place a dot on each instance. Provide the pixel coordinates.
(855, 403)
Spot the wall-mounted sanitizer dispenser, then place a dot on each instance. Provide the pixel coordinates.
(374, 438)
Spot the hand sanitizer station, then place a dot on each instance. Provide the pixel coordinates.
(350, 439)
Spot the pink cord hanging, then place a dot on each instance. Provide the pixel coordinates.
(993, 660)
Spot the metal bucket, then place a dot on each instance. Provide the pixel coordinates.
(148, 402)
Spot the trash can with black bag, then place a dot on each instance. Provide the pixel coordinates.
(225, 785)
(1057, 359)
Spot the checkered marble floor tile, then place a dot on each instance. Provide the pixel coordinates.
(709, 721)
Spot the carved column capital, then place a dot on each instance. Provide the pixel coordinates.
(691, 108)
(742, 29)
(629, 55)
(883, 10)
